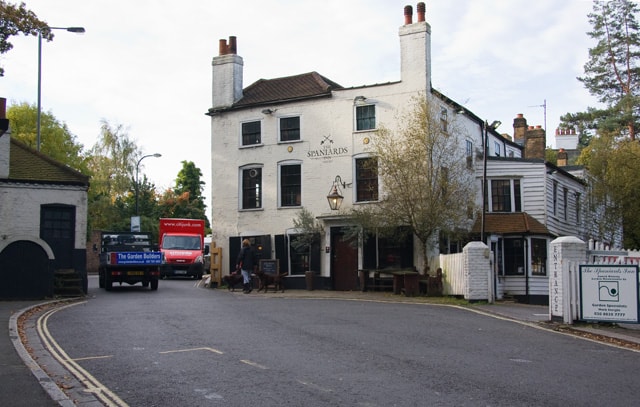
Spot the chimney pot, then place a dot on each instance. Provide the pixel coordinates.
(222, 47)
(538, 126)
(519, 115)
(408, 15)
(233, 45)
(421, 11)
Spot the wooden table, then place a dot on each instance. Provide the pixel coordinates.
(407, 281)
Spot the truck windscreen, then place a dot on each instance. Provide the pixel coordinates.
(181, 242)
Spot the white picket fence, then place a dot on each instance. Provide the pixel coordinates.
(452, 266)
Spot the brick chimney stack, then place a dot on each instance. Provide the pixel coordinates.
(519, 129)
(535, 142)
(562, 158)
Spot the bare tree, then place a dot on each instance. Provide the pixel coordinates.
(427, 185)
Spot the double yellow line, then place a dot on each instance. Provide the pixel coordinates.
(90, 383)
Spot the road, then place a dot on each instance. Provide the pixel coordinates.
(189, 346)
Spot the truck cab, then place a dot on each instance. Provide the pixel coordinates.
(182, 247)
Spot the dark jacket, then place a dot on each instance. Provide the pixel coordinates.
(247, 259)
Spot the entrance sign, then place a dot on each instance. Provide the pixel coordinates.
(609, 293)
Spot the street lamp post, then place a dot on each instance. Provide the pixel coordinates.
(137, 171)
(70, 29)
(485, 150)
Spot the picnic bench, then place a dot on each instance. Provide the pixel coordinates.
(398, 281)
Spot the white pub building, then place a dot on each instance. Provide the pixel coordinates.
(282, 144)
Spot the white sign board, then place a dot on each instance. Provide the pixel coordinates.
(609, 293)
(135, 223)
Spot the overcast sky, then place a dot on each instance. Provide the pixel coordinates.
(147, 64)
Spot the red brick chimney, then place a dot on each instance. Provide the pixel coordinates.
(535, 142)
(519, 129)
(562, 158)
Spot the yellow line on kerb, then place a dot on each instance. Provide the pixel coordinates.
(90, 383)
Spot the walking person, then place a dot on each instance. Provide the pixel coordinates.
(247, 262)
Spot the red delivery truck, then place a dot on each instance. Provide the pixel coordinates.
(182, 247)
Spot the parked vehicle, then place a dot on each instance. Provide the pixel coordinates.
(128, 257)
(182, 247)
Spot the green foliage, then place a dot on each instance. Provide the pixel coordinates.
(186, 200)
(308, 228)
(56, 140)
(615, 187)
(612, 73)
(428, 186)
(608, 133)
(112, 162)
(16, 19)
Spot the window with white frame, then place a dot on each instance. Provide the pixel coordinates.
(290, 128)
(251, 133)
(505, 195)
(469, 151)
(365, 117)
(496, 147)
(251, 187)
(290, 184)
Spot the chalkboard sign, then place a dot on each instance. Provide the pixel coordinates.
(271, 266)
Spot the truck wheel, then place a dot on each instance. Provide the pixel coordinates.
(107, 282)
(101, 280)
(154, 285)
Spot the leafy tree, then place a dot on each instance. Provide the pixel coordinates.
(427, 184)
(112, 163)
(186, 200)
(612, 73)
(309, 230)
(16, 19)
(188, 180)
(615, 188)
(56, 140)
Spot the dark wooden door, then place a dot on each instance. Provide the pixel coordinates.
(344, 262)
(58, 229)
(24, 272)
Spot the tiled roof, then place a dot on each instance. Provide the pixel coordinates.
(510, 223)
(29, 165)
(303, 86)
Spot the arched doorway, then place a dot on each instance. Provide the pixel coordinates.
(25, 272)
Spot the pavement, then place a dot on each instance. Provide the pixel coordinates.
(24, 382)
